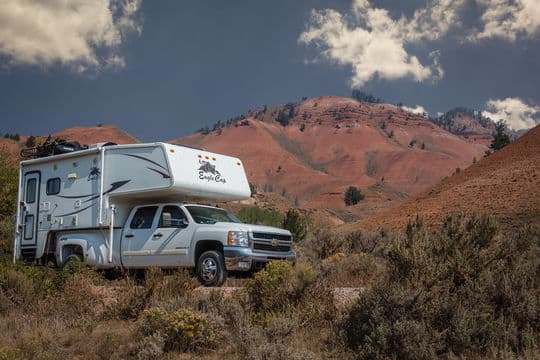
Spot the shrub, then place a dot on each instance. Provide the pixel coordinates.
(353, 196)
(466, 291)
(182, 330)
(9, 176)
(16, 286)
(78, 296)
(151, 347)
(352, 270)
(361, 241)
(296, 224)
(132, 302)
(270, 288)
(260, 216)
(324, 243)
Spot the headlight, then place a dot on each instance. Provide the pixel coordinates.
(238, 238)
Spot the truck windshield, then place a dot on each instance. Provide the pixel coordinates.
(209, 215)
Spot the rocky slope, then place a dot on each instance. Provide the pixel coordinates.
(505, 185)
(312, 151)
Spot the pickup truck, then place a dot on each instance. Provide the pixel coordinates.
(171, 235)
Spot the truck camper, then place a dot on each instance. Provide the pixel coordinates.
(126, 206)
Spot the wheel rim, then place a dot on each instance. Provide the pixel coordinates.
(208, 269)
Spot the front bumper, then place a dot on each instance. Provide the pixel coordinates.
(246, 259)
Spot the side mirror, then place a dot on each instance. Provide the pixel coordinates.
(166, 219)
(183, 223)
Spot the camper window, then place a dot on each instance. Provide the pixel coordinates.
(53, 186)
(31, 191)
(28, 227)
(172, 216)
(143, 218)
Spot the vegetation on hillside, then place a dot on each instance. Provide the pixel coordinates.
(15, 136)
(361, 96)
(353, 196)
(500, 138)
(9, 182)
(448, 119)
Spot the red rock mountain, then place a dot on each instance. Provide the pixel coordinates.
(330, 143)
(84, 135)
(505, 185)
(92, 135)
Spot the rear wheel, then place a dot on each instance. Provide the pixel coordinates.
(210, 268)
(73, 261)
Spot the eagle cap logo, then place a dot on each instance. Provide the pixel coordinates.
(208, 172)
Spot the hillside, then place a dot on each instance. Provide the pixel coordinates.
(469, 124)
(95, 134)
(312, 151)
(506, 185)
(84, 135)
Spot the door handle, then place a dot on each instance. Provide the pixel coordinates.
(129, 236)
(158, 235)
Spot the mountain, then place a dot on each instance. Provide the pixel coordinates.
(469, 124)
(505, 185)
(84, 135)
(95, 134)
(313, 150)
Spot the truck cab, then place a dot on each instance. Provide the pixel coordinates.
(209, 239)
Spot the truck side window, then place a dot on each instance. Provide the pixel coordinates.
(143, 218)
(171, 217)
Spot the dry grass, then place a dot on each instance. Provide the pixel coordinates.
(287, 312)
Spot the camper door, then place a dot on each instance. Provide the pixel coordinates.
(30, 208)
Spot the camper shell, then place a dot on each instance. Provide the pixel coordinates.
(84, 200)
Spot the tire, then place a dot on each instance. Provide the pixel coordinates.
(210, 268)
(74, 259)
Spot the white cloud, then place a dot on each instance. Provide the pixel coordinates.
(508, 19)
(374, 44)
(81, 34)
(517, 114)
(418, 109)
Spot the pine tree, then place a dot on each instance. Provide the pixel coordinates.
(296, 224)
(353, 196)
(500, 138)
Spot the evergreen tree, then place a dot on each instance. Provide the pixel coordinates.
(353, 196)
(500, 138)
(296, 224)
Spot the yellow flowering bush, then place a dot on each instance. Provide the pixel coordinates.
(182, 330)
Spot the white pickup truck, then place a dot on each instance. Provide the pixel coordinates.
(125, 206)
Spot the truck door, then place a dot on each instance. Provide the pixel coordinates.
(174, 236)
(30, 208)
(137, 241)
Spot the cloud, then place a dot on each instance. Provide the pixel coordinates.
(418, 109)
(517, 114)
(508, 19)
(83, 35)
(374, 44)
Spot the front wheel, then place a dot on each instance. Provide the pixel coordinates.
(211, 268)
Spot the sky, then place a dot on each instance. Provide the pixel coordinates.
(163, 69)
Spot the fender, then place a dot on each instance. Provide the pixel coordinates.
(65, 242)
(94, 248)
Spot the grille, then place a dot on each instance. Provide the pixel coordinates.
(268, 236)
(269, 247)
